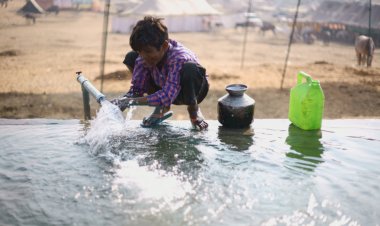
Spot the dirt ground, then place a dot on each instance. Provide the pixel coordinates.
(38, 64)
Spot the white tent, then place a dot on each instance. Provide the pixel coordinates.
(179, 15)
(119, 6)
(78, 4)
(63, 4)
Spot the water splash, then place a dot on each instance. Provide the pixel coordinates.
(109, 122)
(130, 112)
(151, 184)
(148, 184)
(315, 214)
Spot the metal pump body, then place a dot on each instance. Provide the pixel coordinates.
(87, 88)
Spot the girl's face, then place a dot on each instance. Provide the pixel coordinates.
(151, 55)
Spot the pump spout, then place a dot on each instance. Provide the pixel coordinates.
(90, 88)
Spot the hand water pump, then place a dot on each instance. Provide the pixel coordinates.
(87, 88)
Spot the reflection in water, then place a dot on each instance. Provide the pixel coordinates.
(306, 147)
(175, 148)
(236, 139)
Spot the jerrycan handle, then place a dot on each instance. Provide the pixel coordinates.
(302, 75)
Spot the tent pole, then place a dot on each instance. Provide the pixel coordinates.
(290, 43)
(104, 41)
(369, 18)
(245, 34)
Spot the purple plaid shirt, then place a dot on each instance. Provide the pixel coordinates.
(168, 77)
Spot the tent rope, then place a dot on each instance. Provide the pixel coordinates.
(290, 43)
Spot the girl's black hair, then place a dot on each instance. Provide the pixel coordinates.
(148, 32)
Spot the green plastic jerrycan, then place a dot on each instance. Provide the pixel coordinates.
(306, 103)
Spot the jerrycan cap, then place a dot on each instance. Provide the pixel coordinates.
(236, 89)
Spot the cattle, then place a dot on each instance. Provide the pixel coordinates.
(364, 48)
(30, 17)
(309, 35)
(267, 26)
(325, 35)
(4, 3)
(245, 24)
(53, 9)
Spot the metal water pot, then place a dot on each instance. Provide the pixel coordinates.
(236, 109)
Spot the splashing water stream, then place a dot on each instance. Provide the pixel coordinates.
(109, 122)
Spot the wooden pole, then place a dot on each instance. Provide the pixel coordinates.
(104, 41)
(245, 34)
(369, 18)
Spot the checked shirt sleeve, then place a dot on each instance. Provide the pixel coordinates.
(140, 74)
